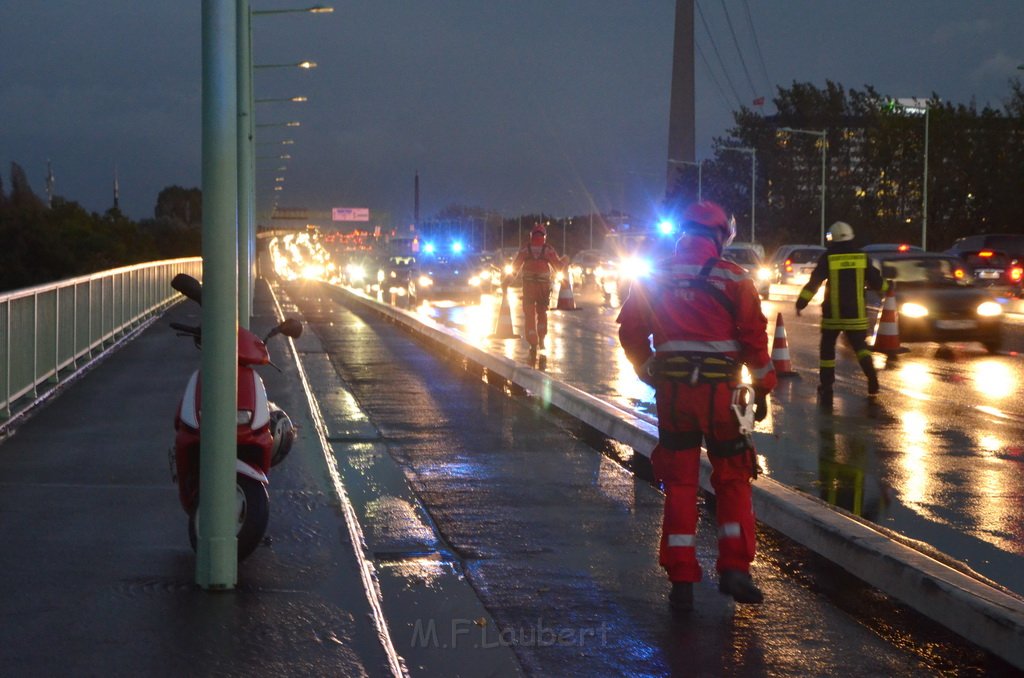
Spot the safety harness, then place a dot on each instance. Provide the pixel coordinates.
(692, 368)
(545, 277)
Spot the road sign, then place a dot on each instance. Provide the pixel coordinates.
(350, 214)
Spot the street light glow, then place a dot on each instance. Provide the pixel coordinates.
(297, 100)
(293, 123)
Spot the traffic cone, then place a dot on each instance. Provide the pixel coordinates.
(780, 351)
(566, 302)
(887, 331)
(503, 327)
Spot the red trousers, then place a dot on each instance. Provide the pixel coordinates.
(536, 297)
(686, 414)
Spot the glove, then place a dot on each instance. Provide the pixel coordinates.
(646, 371)
(760, 405)
(800, 306)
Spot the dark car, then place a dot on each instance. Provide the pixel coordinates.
(792, 264)
(449, 278)
(994, 260)
(396, 279)
(936, 301)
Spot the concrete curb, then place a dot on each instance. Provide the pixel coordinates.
(973, 609)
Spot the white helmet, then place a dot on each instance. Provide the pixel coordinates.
(840, 232)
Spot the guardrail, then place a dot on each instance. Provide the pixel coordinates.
(49, 332)
(926, 581)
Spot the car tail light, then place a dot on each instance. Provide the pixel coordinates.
(789, 265)
(1016, 273)
(985, 254)
(958, 274)
(903, 248)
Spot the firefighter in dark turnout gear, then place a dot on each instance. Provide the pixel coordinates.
(704, 317)
(846, 272)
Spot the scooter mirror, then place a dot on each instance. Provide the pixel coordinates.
(188, 286)
(291, 328)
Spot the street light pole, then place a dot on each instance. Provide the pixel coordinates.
(824, 144)
(753, 175)
(924, 188)
(246, 166)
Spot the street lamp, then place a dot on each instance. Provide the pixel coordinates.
(699, 165)
(824, 144)
(753, 175)
(297, 100)
(316, 9)
(293, 123)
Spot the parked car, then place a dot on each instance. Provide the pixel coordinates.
(936, 300)
(792, 265)
(995, 260)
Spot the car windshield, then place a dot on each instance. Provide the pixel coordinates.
(930, 271)
(741, 256)
(401, 262)
(805, 256)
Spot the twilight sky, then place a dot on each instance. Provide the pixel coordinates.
(534, 105)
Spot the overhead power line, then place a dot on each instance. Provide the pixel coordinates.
(718, 55)
(757, 47)
(739, 51)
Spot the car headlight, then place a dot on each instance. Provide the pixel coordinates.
(989, 309)
(635, 267)
(764, 273)
(508, 269)
(474, 281)
(356, 273)
(913, 310)
(425, 281)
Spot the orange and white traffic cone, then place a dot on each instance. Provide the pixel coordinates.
(566, 302)
(887, 331)
(780, 351)
(503, 327)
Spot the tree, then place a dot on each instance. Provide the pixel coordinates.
(181, 204)
(875, 166)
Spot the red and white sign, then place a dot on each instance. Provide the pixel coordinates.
(350, 214)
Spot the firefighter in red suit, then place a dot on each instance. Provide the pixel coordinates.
(705, 318)
(537, 260)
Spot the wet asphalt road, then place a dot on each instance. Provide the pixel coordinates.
(939, 458)
(559, 541)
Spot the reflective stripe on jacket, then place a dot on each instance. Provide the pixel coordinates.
(846, 272)
(675, 309)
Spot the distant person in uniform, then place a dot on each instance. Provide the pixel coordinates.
(846, 272)
(704, 316)
(537, 260)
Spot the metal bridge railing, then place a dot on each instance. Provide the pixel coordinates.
(48, 332)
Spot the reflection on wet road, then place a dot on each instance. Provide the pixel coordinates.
(939, 458)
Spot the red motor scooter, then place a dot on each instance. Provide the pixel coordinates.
(265, 433)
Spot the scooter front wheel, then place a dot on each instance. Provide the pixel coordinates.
(252, 515)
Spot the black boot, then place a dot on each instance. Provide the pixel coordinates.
(740, 586)
(825, 397)
(681, 597)
(871, 374)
